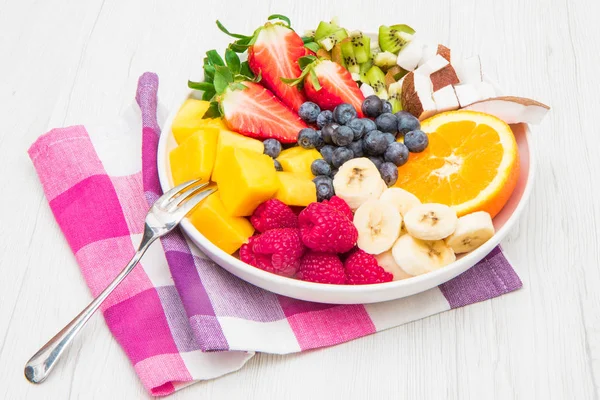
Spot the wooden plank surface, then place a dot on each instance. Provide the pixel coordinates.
(67, 62)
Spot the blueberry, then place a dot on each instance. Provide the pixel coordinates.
(387, 122)
(309, 112)
(407, 122)
(387, 107)
(333, 172)
(327, 152)
(357, 148)
(343, 113)
(376, 160)
(308, 138)
(320, 167)
(278, 166)
(324, 118)
(358, 127)
(416, 141)
(324, 187)
(374, 143)
(389, 173)
(342, 136)
(389, 138)
(369, 125)
(396, 153)
(327, 131)
(372, 106)
(340, 156)
(272, 147)
(320, 142)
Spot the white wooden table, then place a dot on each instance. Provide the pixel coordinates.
(66, 62)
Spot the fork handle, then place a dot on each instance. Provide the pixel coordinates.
(39, 366)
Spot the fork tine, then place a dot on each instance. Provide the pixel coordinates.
(194, 200)
(168, 196)
(177, 201)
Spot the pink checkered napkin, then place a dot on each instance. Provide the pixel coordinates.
(179, 317)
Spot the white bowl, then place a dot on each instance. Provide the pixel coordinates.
(347, 294)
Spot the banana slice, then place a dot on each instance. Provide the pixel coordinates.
(387, 262)
(418, 257)
(401, 199)
(357, 181)
(378, 225)
(472, 230)
(431, 221)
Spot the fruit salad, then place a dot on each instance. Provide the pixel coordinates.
(346, 158)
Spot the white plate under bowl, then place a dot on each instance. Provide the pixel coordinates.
(348, 294)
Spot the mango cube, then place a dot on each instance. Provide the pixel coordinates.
(246, 180)
(295, 190)
(226, 232)
(189, 119)
(195, 157)
(298, 160)
(229, 140)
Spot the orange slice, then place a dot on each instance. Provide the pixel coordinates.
(471, 163)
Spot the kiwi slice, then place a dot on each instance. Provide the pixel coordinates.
(336, 55)
(385, 59)
(363, 69)
(331, 40)
(325, 29)
(394, 38)
(349, 58)
(324, 54)
(376, 79)
(395, 93)
(362, 46)
(394, 74)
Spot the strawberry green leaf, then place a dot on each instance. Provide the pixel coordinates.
(205, 86)
(223, 78)
(214, 58)
(213, 111)
(312, 46)
(209, 94)
(235, 35)
(280, 17)
(233, 61)
(314, 80)
(209, 73)
(305, 61)
(245, 70)
(307, 39)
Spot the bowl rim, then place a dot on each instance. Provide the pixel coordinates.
(473, 257)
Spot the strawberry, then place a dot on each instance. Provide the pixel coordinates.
(328, 84)
(247, 107)
(273, 53)
(252, 110)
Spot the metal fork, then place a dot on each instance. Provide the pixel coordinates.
(164, 215)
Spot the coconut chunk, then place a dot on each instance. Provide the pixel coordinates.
(429, 51)
(417, 95)
(410, 55)
(444, 77)
(436, 63)
(512, 110)
(468, 70)
(445, 99)
(367, 90)
(467, 94)
(486, 90)
(444, 52)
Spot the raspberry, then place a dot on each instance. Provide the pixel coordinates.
(273, 214)
(325, 229)
(278, 251)
(321, 268)
(362, 269)
(341, 206)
